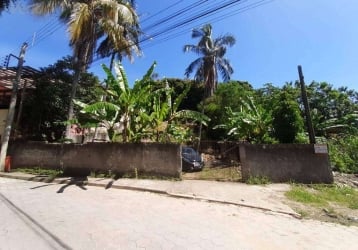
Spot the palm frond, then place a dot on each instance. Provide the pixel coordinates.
(192, 115)
(196, 64)
(41, 7)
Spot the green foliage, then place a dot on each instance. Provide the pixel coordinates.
(343, 153)
(287, 121)
(258, 180)
(227, 96)
(195, 92)
(52, 173)
(323, 195)
(46, 106)
(301, 194)
(251, 123)
(144, 112)
(334, 111)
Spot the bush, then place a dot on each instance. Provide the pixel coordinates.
(343, 154)
(287, 121)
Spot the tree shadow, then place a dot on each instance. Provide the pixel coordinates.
(51, 184)
(78, 181)
(116, 177)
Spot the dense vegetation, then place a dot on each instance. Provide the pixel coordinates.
(175, 110)
(171, 110)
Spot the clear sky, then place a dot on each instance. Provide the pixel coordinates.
(272, 39)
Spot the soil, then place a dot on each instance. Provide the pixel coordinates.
(342, 179)
(334, 213)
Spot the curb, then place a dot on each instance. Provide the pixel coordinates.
(46, 179)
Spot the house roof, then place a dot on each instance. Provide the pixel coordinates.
(8, 75)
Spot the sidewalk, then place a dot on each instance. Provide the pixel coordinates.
(264, 197)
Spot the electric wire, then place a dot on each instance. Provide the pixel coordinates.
(161, 11)
(202, 14)
(205, 14)
(170, 26)
(213, 20)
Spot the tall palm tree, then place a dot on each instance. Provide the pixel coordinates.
(87, 22)
(129, 43)
(4, 5)
(211, 60)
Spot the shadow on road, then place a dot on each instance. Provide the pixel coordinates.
(78, 181)
(46, 185)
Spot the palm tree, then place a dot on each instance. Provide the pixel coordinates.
(211, 60)
(87, 22)
(4, 5)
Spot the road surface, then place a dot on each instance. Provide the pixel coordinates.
(36, 215)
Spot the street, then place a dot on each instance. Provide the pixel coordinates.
(35, 215)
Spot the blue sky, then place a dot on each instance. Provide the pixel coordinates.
(272, 40)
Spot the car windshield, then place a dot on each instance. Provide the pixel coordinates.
(191, 154)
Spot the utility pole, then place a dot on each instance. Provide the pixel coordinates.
(307, 107)
(10, 115)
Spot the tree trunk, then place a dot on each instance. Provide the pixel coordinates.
(70, 113)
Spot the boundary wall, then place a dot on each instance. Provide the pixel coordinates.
(81, 159)
(302, 163)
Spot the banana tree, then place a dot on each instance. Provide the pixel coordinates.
(166, 122)
(145, 111)
(122, 104)
(251, 123)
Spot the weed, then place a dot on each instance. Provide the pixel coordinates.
(41, 171)
(302, 194)
(258, 180)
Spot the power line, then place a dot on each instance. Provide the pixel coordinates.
(179, 25)
(46, 31)
(208, 11)
(162, 11)
(171, 26)
(213, 20)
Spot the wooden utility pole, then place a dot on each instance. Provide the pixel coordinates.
(307, 107)
(10, 115)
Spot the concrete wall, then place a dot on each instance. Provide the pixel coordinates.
(148, 158)
(303, 163)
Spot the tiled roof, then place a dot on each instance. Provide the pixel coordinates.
(8, 75)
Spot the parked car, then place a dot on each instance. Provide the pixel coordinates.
(191, 159)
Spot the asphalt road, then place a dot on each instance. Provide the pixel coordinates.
(60, 216)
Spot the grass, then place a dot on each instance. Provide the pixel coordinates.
(41, 171)
(303, 195)
(330, 203)
(323, 195)
(131, 175)
(258, 180)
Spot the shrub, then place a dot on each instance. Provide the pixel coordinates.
(343, 154)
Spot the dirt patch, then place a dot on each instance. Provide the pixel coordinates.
(216, 169)
(350, 180)
(333, 213)
(222, 170)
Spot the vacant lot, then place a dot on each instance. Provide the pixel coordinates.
(336, 203)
